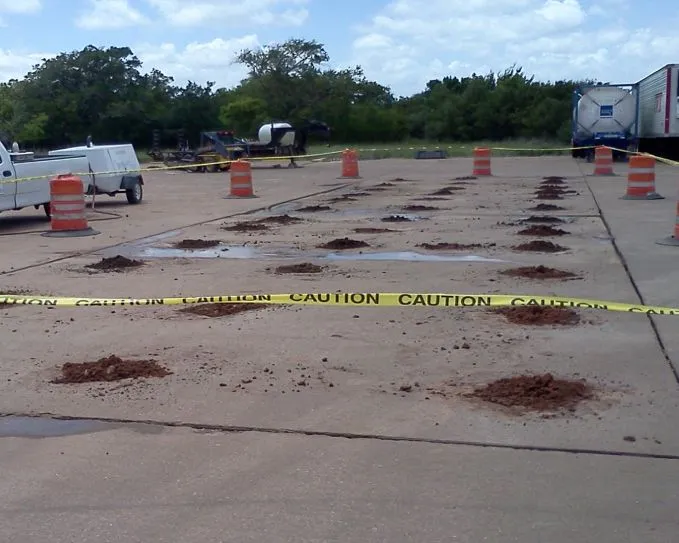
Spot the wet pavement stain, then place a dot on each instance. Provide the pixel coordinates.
(41, 427)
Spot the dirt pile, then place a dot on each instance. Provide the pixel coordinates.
(304, 267)
(221, 310)
(111, 368)
(538, 272)
(542, 230)
(446, 191)
(376, 189)
(357, 194)
(196, 244)
(341, 199)
(417, 207)
(396, 218)
(443, 246)
(547, 207)
(535, 392)
(553, 180)
(540, 246)
(385, 185)
(548, 195)
(368, 230)
(539, 315)
(464, 178)
(543, 218)
(115, 263)
(247, 226)
(280, 219)
(343, 244)
(314, 209)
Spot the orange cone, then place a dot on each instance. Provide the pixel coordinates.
(349, 165)
(481, 162)
(641, 179)
(672, 240)
(67, 208)
(603, 161)
(241, 180)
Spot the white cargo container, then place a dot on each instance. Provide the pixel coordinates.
(659, 103)
(115, 169)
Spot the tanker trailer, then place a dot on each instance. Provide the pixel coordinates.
(605, 115)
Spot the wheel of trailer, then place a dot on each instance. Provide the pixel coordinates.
(135, 194)
(48, 210)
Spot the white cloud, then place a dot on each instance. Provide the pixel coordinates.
(16, 64)
(243, 12)
(110, 14)
(20, 6)
(410, 42)
(198, 61)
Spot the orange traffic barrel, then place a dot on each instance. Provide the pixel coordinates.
(349, 165)
(241, 180)
(481, 161)
(641, 179)
(67, 208)
(674, 238)
(603, 161)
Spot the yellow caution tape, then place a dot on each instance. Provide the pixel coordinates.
(353, 299)
(177, 167)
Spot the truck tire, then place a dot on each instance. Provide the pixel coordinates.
(135, 194)
(48, 210)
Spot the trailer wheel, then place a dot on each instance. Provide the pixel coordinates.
(48, 210)
(135, 194)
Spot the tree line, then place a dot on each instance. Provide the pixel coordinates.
(104, 92)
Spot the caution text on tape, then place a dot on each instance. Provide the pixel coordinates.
(364, 299)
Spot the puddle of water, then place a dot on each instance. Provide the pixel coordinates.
(411, 256)
(11, 426)
(238, 251)
(39, 427)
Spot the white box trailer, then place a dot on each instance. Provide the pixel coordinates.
(659, 111)
(115, 169)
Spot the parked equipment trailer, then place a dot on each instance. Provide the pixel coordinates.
(605, 115)
(659, 112)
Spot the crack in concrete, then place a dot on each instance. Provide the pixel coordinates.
(230, 429)
(656, 332)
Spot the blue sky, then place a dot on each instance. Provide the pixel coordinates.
(400, 43)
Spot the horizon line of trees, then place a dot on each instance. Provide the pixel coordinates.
(103, 92)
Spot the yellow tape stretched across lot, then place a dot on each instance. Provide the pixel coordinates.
(353, 299)
(177, 167)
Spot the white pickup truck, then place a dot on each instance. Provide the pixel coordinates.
(106, 169)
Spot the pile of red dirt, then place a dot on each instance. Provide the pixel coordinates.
(417, 207)
(543, 230)
(221, 310)
(443, 246)
(538, 272)
(368, 230)
(247, 226)
(542, 218)
(340, 199)
(535, 392)
(196, 243)
(396, 218)
(446, 191)
(280, 219)
(314, 209)
(540, 246)
(111, 368)
(539, 315)
(115, 263)
(304, 267)
(547, 207)
(343, 244)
